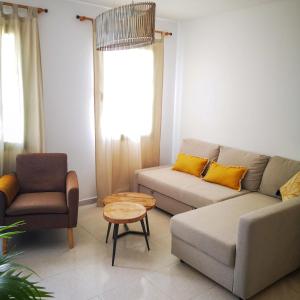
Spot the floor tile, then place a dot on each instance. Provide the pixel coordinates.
(58, 258)
(286, 288)
(92, 279)
(95, 298)
(180, 281)
(215, 293)
(141, 289)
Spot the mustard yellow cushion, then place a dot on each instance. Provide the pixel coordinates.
(190, 164)
(9, 186)
(291, 189)
(230, 176)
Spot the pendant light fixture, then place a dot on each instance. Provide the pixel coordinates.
(125, 27)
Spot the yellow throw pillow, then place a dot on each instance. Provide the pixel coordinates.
(230, 176)
(9, 186)
(291, 189)
(190, 164)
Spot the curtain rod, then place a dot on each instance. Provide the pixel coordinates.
(84, 18)
(40, 10)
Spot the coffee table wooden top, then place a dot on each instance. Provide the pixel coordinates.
(123, 212)
(146, 200)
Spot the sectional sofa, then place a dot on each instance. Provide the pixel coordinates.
(243, 240)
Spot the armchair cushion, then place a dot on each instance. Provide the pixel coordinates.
(38, 203)
(42, 172)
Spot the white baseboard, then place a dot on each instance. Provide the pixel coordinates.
(87, 201)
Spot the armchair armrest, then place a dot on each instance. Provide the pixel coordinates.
(2, 208)
(9, 188)
(267, 247)
(72, 197)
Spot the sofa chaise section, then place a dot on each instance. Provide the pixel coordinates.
(245, 243)
(268, 244)
(211, 233)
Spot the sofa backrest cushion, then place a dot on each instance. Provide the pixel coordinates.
(42, 172)
(200, 148)
(256, 164)
(278, 171)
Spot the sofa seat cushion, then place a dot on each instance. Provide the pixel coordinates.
(183, 187)
(213, 229)
(38, 203)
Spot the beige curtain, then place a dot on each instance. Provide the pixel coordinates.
(117, 159)
(19, 28)
(150, 145)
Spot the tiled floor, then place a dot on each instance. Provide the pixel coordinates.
(85, 272)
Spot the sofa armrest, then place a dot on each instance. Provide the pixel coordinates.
(72, 195)
(267, 247)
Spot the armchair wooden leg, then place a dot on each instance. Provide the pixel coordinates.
(70, 238)
(4, 246)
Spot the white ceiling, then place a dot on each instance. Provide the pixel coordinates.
(187, 9)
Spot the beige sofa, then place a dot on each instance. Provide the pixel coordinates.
(243, 240)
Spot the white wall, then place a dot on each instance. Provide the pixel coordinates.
(66, 47)
(168, 90)
(240, 79)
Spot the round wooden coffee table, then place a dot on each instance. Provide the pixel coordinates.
(124, 213)
(146, 200)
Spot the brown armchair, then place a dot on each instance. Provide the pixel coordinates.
(42, 193)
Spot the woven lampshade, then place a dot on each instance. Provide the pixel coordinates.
(127, 26)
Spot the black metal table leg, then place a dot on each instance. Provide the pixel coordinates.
(145, 234)
(116, 228)
(108, 231)
(128, 231)
(126, 227)
(147, 225)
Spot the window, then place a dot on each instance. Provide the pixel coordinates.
(127, 93)
(12, 91)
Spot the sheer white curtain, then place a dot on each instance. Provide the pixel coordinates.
(21, 110)
(128, 95)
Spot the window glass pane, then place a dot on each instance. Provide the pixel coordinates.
(12, 93)
(128, 93)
